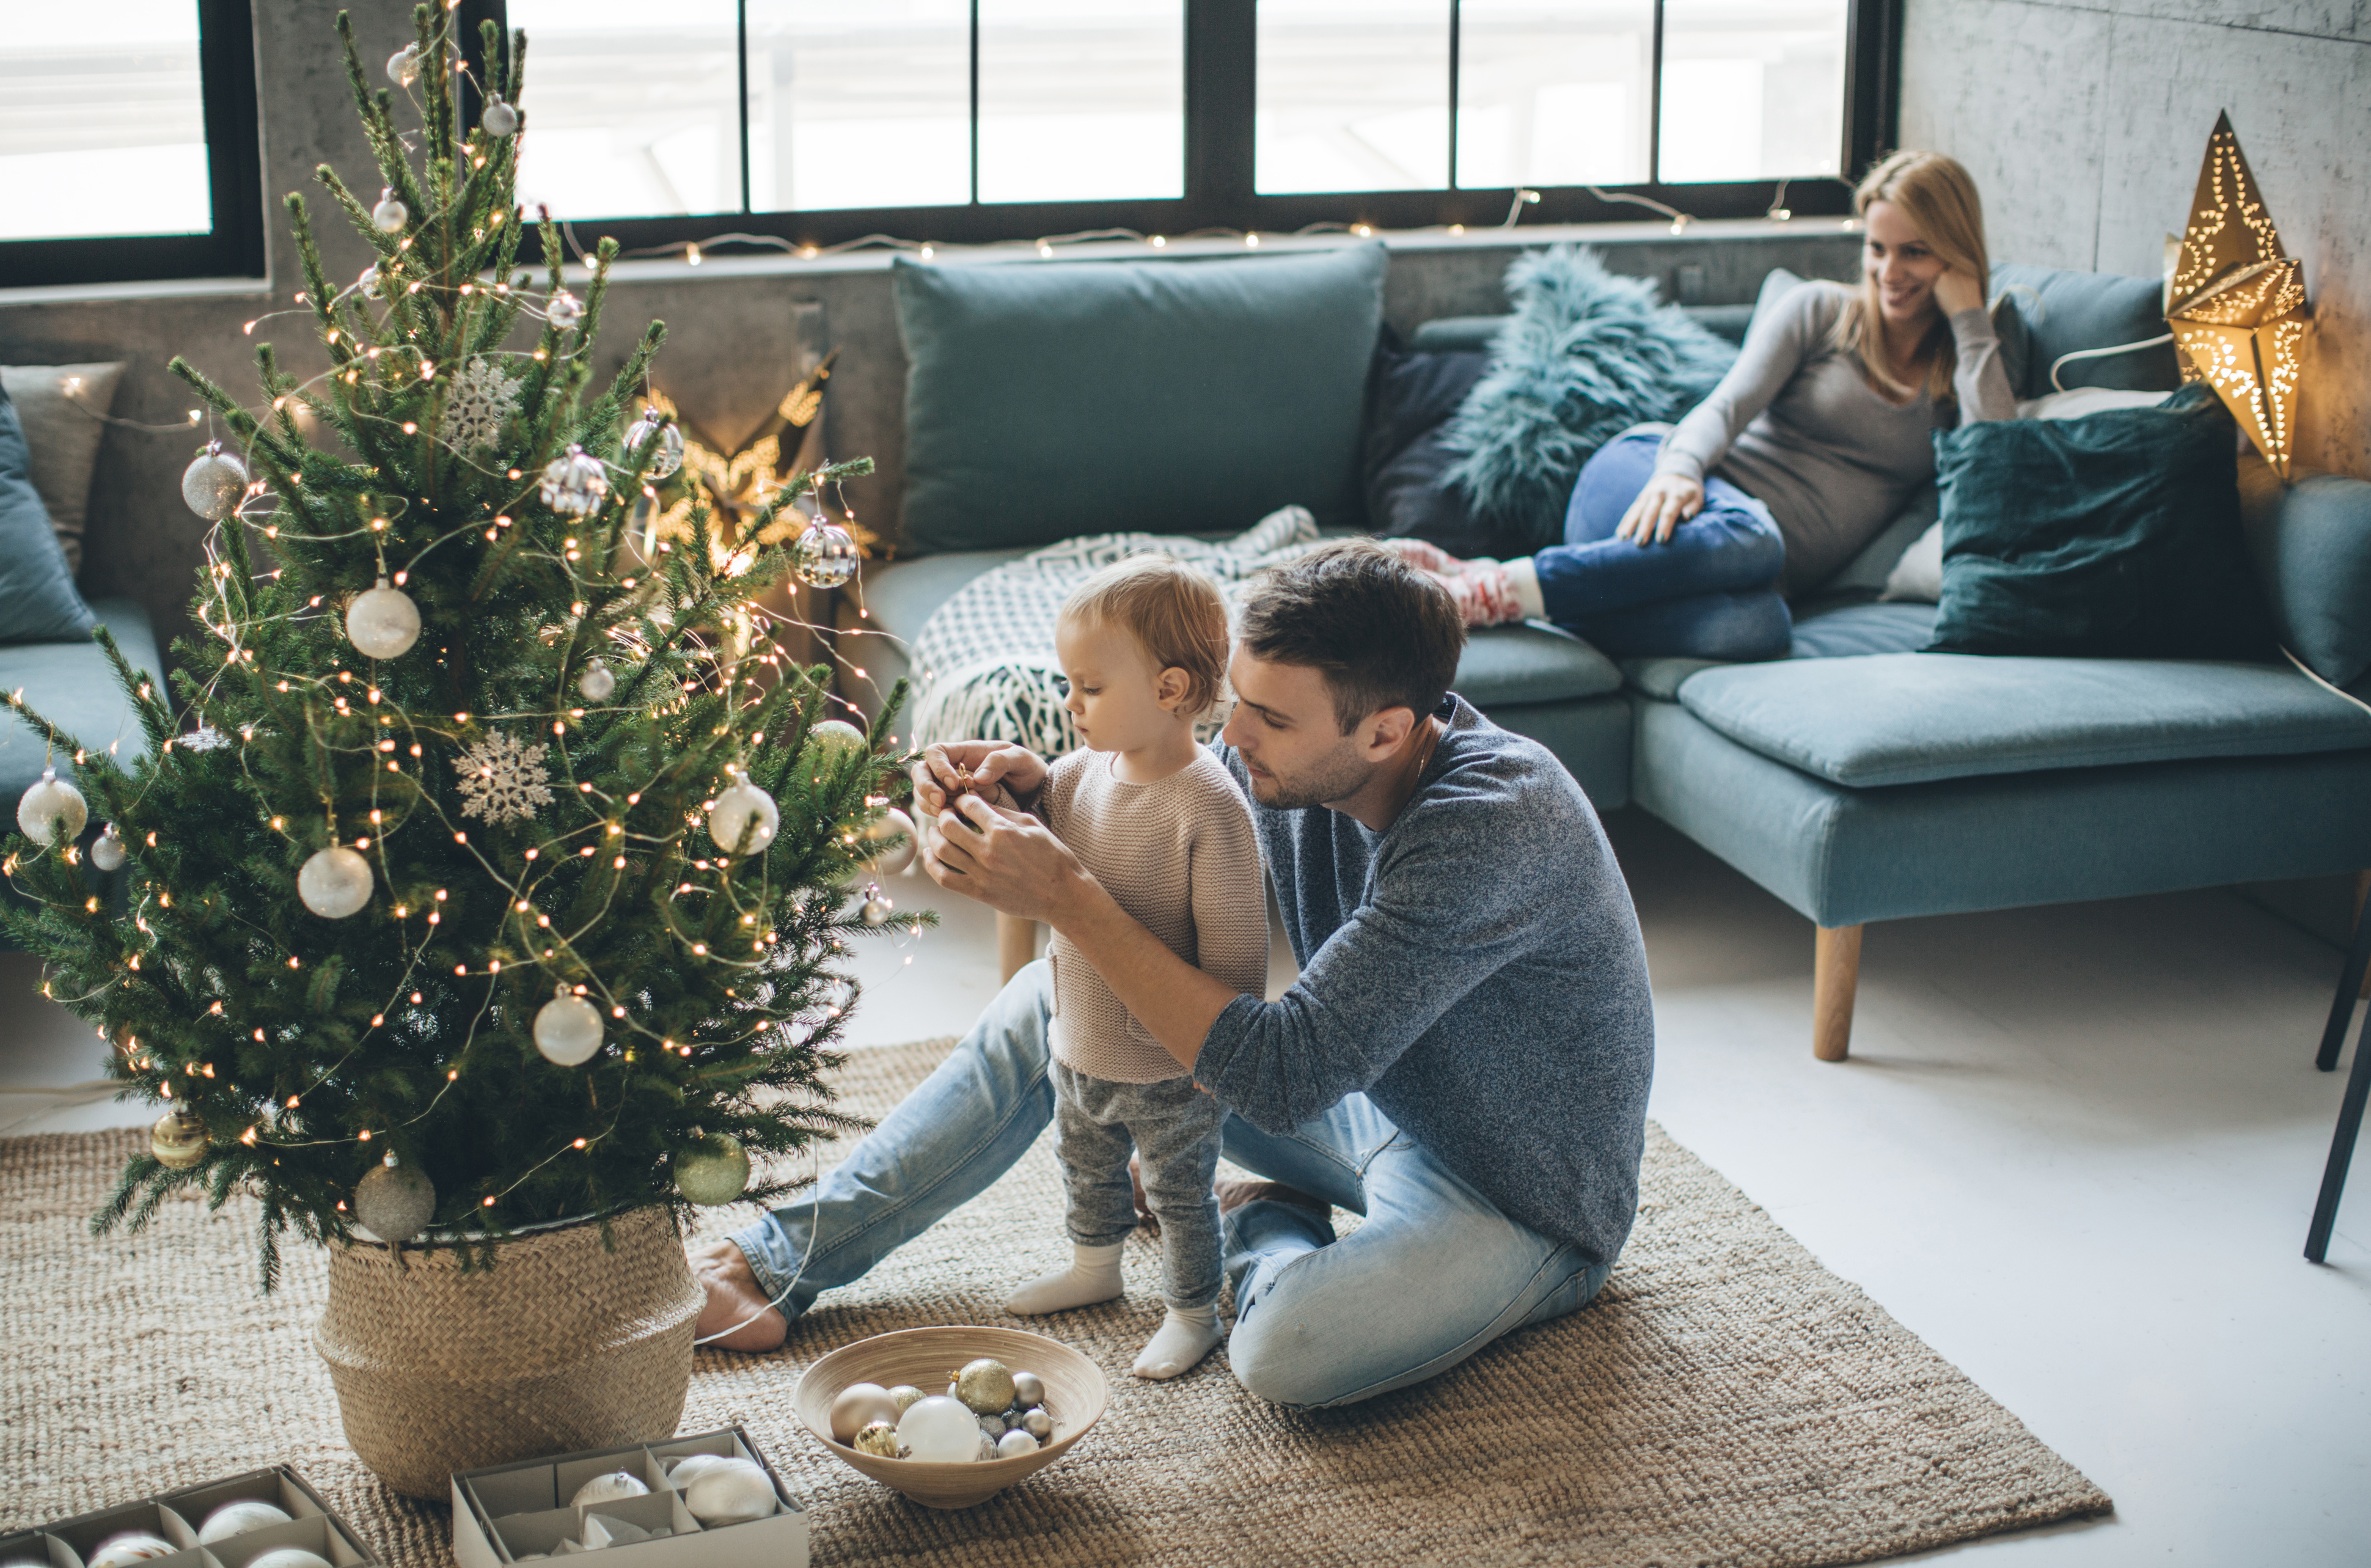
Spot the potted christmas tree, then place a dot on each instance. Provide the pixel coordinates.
(479, 906)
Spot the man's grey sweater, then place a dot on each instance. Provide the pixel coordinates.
(1475, 969)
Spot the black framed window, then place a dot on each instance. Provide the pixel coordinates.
(128, 142)
(819, 121)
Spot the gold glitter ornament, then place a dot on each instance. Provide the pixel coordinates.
(178, 1140)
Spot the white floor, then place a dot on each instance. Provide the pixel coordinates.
(2076, 1151)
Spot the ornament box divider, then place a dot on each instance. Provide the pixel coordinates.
(502, 1513)
(177, 1516)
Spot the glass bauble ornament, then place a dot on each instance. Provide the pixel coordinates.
(668, 456)
(878, 1438)
(1014, 1444)
(574, 482)
(985, 1385)
(903, 1396)
(52, 811)
(859, 1405)
(498, 118)
(825, 555)
(733, 1492)
(238, 1516)
(894, 830)
(1028, 1389)
(213, 484)
(567, 1029)
(107, 852)
(404, 66)
(288, 1557)
(834, 736)
(382, 622)
(743, 809)
(1037, 1423)
(563, 310)
(130, 1547)
(940, 1431)
(597, 682)
(714, 1169)
(876, 908)
(389, 215)
(614, 1487)
(178, 1140)
(334, 882)
(395, 1202)
(366, 283)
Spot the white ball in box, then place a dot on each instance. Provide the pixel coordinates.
(176, 1517)
(508, 1513)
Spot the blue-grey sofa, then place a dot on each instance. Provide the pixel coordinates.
(1858, 779)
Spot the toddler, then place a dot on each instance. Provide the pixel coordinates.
(1160, 823)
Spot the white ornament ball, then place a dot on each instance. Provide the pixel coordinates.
(732, 1492)
(213, 483)
(389, 215)
(108, 852)
(834, 736)
(614, 1487)
(713, 1170)
(568, 1029)
(563, 310)
(668, 457)
(895, 830)
(238, 1519)
(940, 1431)
(366, 283)
(682, 1473)
(382, 622)
(404, 66)
(395, 1202)
(877, 911)
(130, 1547)
(52, 811)
(858, 1406)
(499, 118)
(288, 1557)
(574, 483)
(597, 682)
(906, 1396)
(1014, 1444)
(1028, 1389)
(743, 808)
(334, 882)
(825, 555)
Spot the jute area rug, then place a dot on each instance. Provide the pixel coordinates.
(1725, 1400)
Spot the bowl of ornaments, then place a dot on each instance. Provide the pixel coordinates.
(951, 1417)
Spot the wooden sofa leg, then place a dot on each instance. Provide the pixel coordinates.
(1016, 943)
(1835, 975)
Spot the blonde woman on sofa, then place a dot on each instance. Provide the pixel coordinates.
(1686, 540)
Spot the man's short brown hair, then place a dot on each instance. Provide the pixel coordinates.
(1381, 633)
(1175, 614)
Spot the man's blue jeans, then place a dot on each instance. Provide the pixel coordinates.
(1706, 594)
(1434, 1274)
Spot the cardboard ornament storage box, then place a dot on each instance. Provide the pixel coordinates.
(507, 1513)
(178, 1516)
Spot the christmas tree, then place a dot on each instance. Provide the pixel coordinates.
(492, 871)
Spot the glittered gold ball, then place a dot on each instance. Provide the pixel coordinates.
(985, 1386)
(713, 1170)
(878, 1438)
(178, 1140)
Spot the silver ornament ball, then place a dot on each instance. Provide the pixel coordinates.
(858, 1406)
(52, 811)
(499, 118)
(715, 1169)
(825, 556)
(108, 852)
(894, 830)
(1014, 1444)
(382, 622)
(743, 809)
(389, 215)
(178, 1140)
(334, 882)
(404, 66)
(668, 456)
(563, 310)
(213, 483)
(395, 1202)
(574, 483)
(876, 910)
(1028, 1389)
(1037, 1423)
(366, 285)
(567, 1029)
(597, 682)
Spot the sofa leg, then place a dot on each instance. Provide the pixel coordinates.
(2361, 892)
(1835, 975)
(1016, 943)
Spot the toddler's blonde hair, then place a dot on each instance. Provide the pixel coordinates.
(1174, 612)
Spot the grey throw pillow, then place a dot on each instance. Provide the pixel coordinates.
(62, 409)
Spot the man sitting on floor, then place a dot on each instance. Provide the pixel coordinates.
(1465, 1060)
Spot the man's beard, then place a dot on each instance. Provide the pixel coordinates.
(1337, 778)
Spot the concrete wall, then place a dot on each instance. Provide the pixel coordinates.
(2085, 121)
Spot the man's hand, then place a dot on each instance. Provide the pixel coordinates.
(1007, 859)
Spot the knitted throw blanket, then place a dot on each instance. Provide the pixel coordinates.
(985, 663)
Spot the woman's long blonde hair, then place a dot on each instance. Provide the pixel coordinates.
(1939, 199)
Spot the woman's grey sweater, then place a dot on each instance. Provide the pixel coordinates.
(1476, 970)
(1797, 425)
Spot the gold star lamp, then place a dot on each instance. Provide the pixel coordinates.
(2236, 302)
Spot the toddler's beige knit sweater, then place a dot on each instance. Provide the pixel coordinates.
(1181, 857)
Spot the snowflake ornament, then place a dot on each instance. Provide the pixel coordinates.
(204, 738)
(484, 398)
(503, 780)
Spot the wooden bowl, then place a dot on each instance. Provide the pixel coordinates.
(928, 1358)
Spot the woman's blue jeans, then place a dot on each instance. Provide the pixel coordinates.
(1707, 594)
(1433, 1274)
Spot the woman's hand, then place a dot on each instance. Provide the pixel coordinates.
(1668, 501)
(1955, 291)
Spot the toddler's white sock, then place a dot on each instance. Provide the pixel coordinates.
(1093, 1277)
(1187, 1335)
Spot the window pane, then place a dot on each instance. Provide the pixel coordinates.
(1753, 90)
(1082, 101)
(1553, 92)
(103, 126)
(1353, 96)
(632, 109)
(859, 103)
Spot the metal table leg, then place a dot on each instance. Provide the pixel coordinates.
(2358, 1089)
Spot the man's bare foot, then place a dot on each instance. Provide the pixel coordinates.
(736, 1302)
(1234, 1191)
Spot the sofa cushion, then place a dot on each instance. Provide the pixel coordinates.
(64, 410)
(71, 685)
(1044, 402)
(1402, 452)
(2059, 313)
(37, 601)
(2311, 542)
(1836, 629)
(1906, 717)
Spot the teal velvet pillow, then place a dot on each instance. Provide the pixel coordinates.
(2046, 313)
(1167, 397)
(2311, 544)
(38, 602)
(2116, 535)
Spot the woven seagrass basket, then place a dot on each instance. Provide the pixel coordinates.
(564, 1344)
